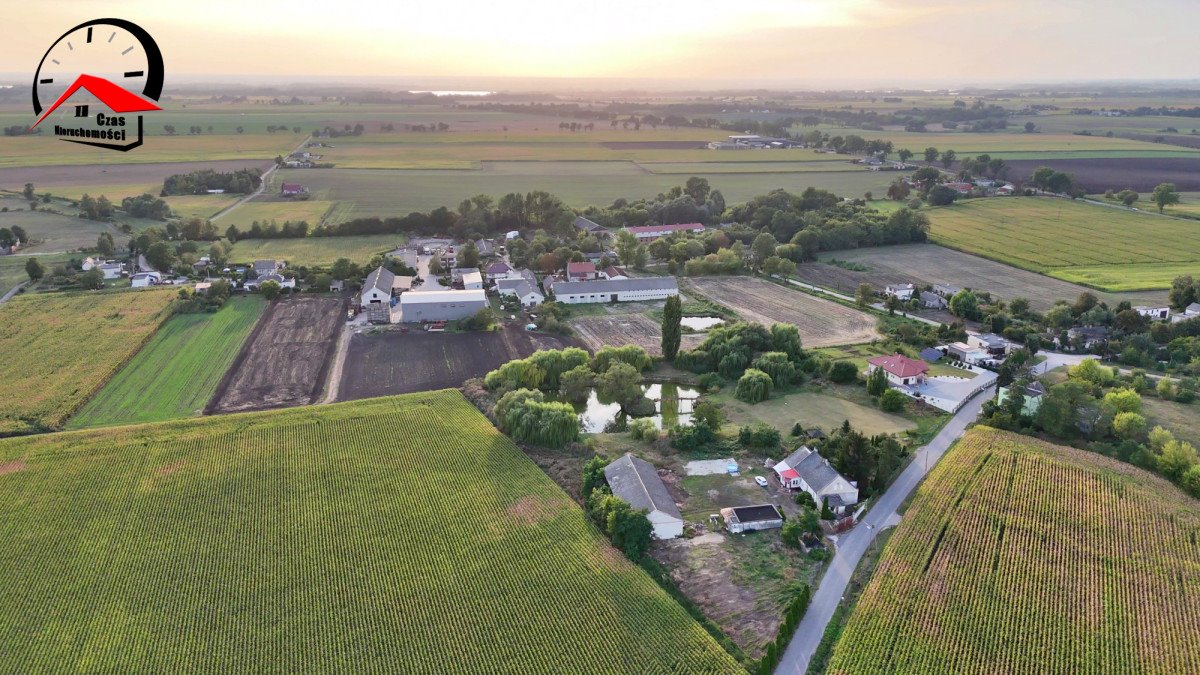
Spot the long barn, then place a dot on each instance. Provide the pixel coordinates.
(615, 290)
(441, 305)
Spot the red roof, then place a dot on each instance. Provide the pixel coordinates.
(900, 365)
(790, 474)
(577, 268)
(639, 229)
(117, 99)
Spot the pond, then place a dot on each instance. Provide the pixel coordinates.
(701, 323)
(672, 403)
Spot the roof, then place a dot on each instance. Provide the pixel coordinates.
(587, 225)
(930, 354)
(789, 473)
(423, 297)
(580, 268)
(650, 229)
(264, 264)
(899, 365)
(498, 268)
(1089, 331)
(991, 338)
(291, 187)
(901, 287)
(814, 469)
(755, 514)
(614, 271)
(635, 481)
(1193, 308)
(835, 501)
(380, 279)
(524, 288)
(618, 285)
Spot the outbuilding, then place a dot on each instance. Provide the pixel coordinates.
(441, 305)
(636, 482)
(378, 288)
(740, 519)
(616, 290)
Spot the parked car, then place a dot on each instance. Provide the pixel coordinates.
(762, 482)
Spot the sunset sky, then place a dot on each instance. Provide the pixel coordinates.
(877, 42)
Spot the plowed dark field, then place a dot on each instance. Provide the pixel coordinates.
(1098, 175)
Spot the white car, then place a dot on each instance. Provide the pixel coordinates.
(762, 482)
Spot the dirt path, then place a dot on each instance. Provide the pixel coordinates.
(334, 381)
(13, 291)
(261, 186)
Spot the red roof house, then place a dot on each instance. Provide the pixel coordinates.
(288, 189)
(900, 369)
(581, 271)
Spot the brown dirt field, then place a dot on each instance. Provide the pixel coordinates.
(655, 145)
(12, 467)
(627, 329)
(285, 360)
(1098, 175)
(394, 362)
(45, 177)
(932, 264)
(822, 323)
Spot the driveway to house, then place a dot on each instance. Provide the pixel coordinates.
(852, 545)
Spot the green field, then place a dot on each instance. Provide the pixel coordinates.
(318, 251)
(311, 210)
(12, 268)
(1017, 556)
(21, 151)
(1106, 248)
(64, 346)
(337, 538)
(812, 410)
(52, 232)
(177, 371)
(200, 206)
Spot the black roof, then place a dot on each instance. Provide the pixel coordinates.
(751, 514)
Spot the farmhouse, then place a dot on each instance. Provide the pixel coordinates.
(652, 232)
(485, 247)
(143, 279)
(526, 292)
(581, 271)
(901, 370)
(903, 292)
(740, 519)
(933, 301)
(1088, 336)
(1154, 313)
(636, 482)
(292, 190)
(964, 352)
(805, 469)
(441, 305)
(992, 343)
(377, 290)
(588, 227)
(1190, 312)
(262, 267)
(499, 270)
(616, 290)
(945, 290)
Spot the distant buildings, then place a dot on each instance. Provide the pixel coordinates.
(652, 232)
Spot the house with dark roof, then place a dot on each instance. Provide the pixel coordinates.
(485, 247)
(588, 227)
(740, 519)
(613, 272)
(498, 270)
(636, 482)
(1088, 336)
(805, 469)
(931, 354)
(292, 190)
(994, 344)
(262, 267)
(377, 290)
(527, 293)
(901, 370)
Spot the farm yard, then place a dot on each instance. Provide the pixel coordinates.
(177, 371)
(66, 346)
(335, 538)
(394, 362)
(285, 360)
(821, 323)
(928, 264)
(596, 331)
(1055, 236)
(1021, 556)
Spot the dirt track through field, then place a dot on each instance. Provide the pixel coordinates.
(286, 358)
(822, 323)
(614, 330)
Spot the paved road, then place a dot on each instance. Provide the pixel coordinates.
(12, 291)
(852, 546)
(261, 186)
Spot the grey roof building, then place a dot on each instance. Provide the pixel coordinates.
(616, 290)
(636, 482)
(805, 469)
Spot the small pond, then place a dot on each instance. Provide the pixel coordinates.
(701, 323)
(672, 403)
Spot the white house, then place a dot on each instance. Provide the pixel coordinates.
(581, 271)
(377, 290)
(143, 279)
(616, 290)
(1154, 313)
(805, 469)
(472, 280)
(262, 267)
(901, 370)
(1190, 312)
(526, 292)
(652, 232)
(90, 262)
(902, 292)
(964, 352)
(992, 343)
(636, 482)
(111, 270)
(441, 305)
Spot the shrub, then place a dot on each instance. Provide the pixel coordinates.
(877, 382)
(843, 372)
(575, 385)
(711, 382)
(777, 365)
(525, 416)
(892, 401)
(631, 354)
(754, 386)
(805, 499)
(643, 430)
(691, 437)
(759, 435)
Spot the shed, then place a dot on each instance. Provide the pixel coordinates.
(636, 482)
(750, 518)
(441, 305)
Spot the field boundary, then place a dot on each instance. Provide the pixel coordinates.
(243, 353)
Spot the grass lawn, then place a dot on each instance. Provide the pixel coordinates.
(325, 539)
(1107, 248)
(176, 373)
(70, 344)
(316, 251)
(811, 409)
(1181, 419)
(200, 206)
(52, 232)
(12, 268)
(858, 355)
(311, 210)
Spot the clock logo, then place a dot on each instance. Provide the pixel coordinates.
(114, 69)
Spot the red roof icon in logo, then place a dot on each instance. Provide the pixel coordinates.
(117, 99)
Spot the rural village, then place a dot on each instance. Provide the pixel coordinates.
(718, 369)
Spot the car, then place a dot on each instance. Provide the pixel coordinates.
(762, 482)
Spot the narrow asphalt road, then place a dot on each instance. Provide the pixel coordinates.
(12, 291)
(840, 296)
(261, 186)
(852, 546)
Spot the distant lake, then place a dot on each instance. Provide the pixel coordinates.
(454, 93)
(672, 405)
(699, 323)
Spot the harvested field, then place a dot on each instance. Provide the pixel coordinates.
(656, 145)
(394, 362)
(151, 175)
(1098, 175)
(932, 264)
(284, 361)
(822, 323)
(627, 329)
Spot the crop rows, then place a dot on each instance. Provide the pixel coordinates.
(1016, 557)
(59, 349)
(400, 534)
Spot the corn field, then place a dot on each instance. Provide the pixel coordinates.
(1020, 556)
(400, 534)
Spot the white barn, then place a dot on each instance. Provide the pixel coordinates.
(636, 482)
(615, 290)
(378, 288)
(441, 305)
